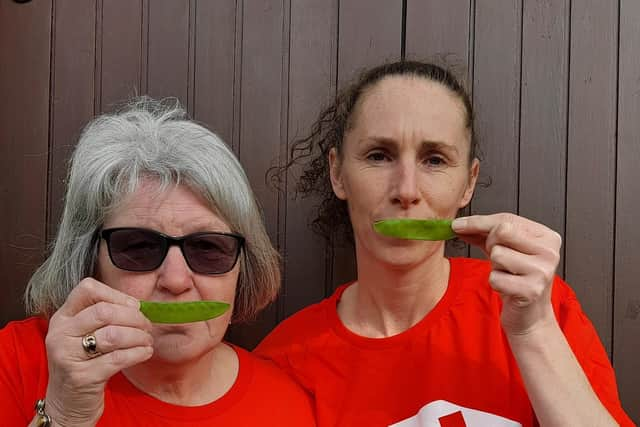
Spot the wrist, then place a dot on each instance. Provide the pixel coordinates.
(529, 322)
(47, 415)
(41, 419)
(537, 340)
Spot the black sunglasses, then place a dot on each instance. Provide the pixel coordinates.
(139, 249)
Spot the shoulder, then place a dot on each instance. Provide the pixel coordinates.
(23, 367)
(24, 334)
(266, 375)
(272, 391)
(312, 321)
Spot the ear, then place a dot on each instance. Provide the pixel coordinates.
(471, 184)
(336, 177)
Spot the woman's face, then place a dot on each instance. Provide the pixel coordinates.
(175, 212)
(405, 156)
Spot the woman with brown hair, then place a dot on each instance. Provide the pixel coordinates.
(419, 339)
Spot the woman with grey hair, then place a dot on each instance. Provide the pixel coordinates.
(157, 210)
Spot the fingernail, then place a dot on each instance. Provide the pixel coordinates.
(459, 224)
(133, 302)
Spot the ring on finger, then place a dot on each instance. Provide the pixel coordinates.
(90, 345)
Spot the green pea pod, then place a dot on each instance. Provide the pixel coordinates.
(416, 229)
(182, 312)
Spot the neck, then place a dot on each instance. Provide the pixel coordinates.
(195, 383)
(387, 301)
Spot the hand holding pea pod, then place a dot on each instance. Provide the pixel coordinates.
(77, 378)
(524, 256)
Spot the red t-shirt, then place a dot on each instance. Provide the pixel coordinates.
(261, 395)
(454, 367)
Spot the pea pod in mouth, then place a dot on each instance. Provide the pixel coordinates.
(415, 229)
(182, 312)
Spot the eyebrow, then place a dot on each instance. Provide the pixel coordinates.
(426, 145)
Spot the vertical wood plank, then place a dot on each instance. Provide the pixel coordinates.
(121, 52)
(591, 159)
(168, 49)
(626, 328)
(312, 77)
(191, 73)
(214, 66)
(496, 99)
(24, 130)
(263, 90)
(73, 91)
(263, 97)
(441, 32)
(144, 60)
(369, 33)
(543, 126)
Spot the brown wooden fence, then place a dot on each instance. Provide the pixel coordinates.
(556, 85)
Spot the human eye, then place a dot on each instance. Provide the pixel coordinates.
(213, 244)
(377, 156)
(134, 242)
(435, 160)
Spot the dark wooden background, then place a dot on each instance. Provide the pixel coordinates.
(556, 85)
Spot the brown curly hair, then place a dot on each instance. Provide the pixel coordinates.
(332, 219)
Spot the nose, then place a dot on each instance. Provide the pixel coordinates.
(174, 274)
(405, 187)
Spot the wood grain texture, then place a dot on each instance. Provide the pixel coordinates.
(312, 79)
(496, 99)
(72, 92)
(543, 123)
(438, 31)
(215, 34)
(626, 331)
(591, 159)
(168, 49)
(24, 130)
(121, 52)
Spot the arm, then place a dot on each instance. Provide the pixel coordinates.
(524, 256)
(557, 386)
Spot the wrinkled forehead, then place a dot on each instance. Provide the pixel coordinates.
(410, 93)
(150, 197)
(411, 105)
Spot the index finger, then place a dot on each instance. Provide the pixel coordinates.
(89, 292)
(477, 224)
(483, 224)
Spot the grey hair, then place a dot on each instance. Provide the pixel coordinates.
(115, 153)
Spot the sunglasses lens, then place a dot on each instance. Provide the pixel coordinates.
(136, 250)
(211, 253)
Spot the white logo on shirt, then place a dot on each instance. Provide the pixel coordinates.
(441, 413)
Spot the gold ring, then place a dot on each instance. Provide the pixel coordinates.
(90, 345)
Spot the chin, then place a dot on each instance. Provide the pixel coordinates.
(409, 254)
(178, 345)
